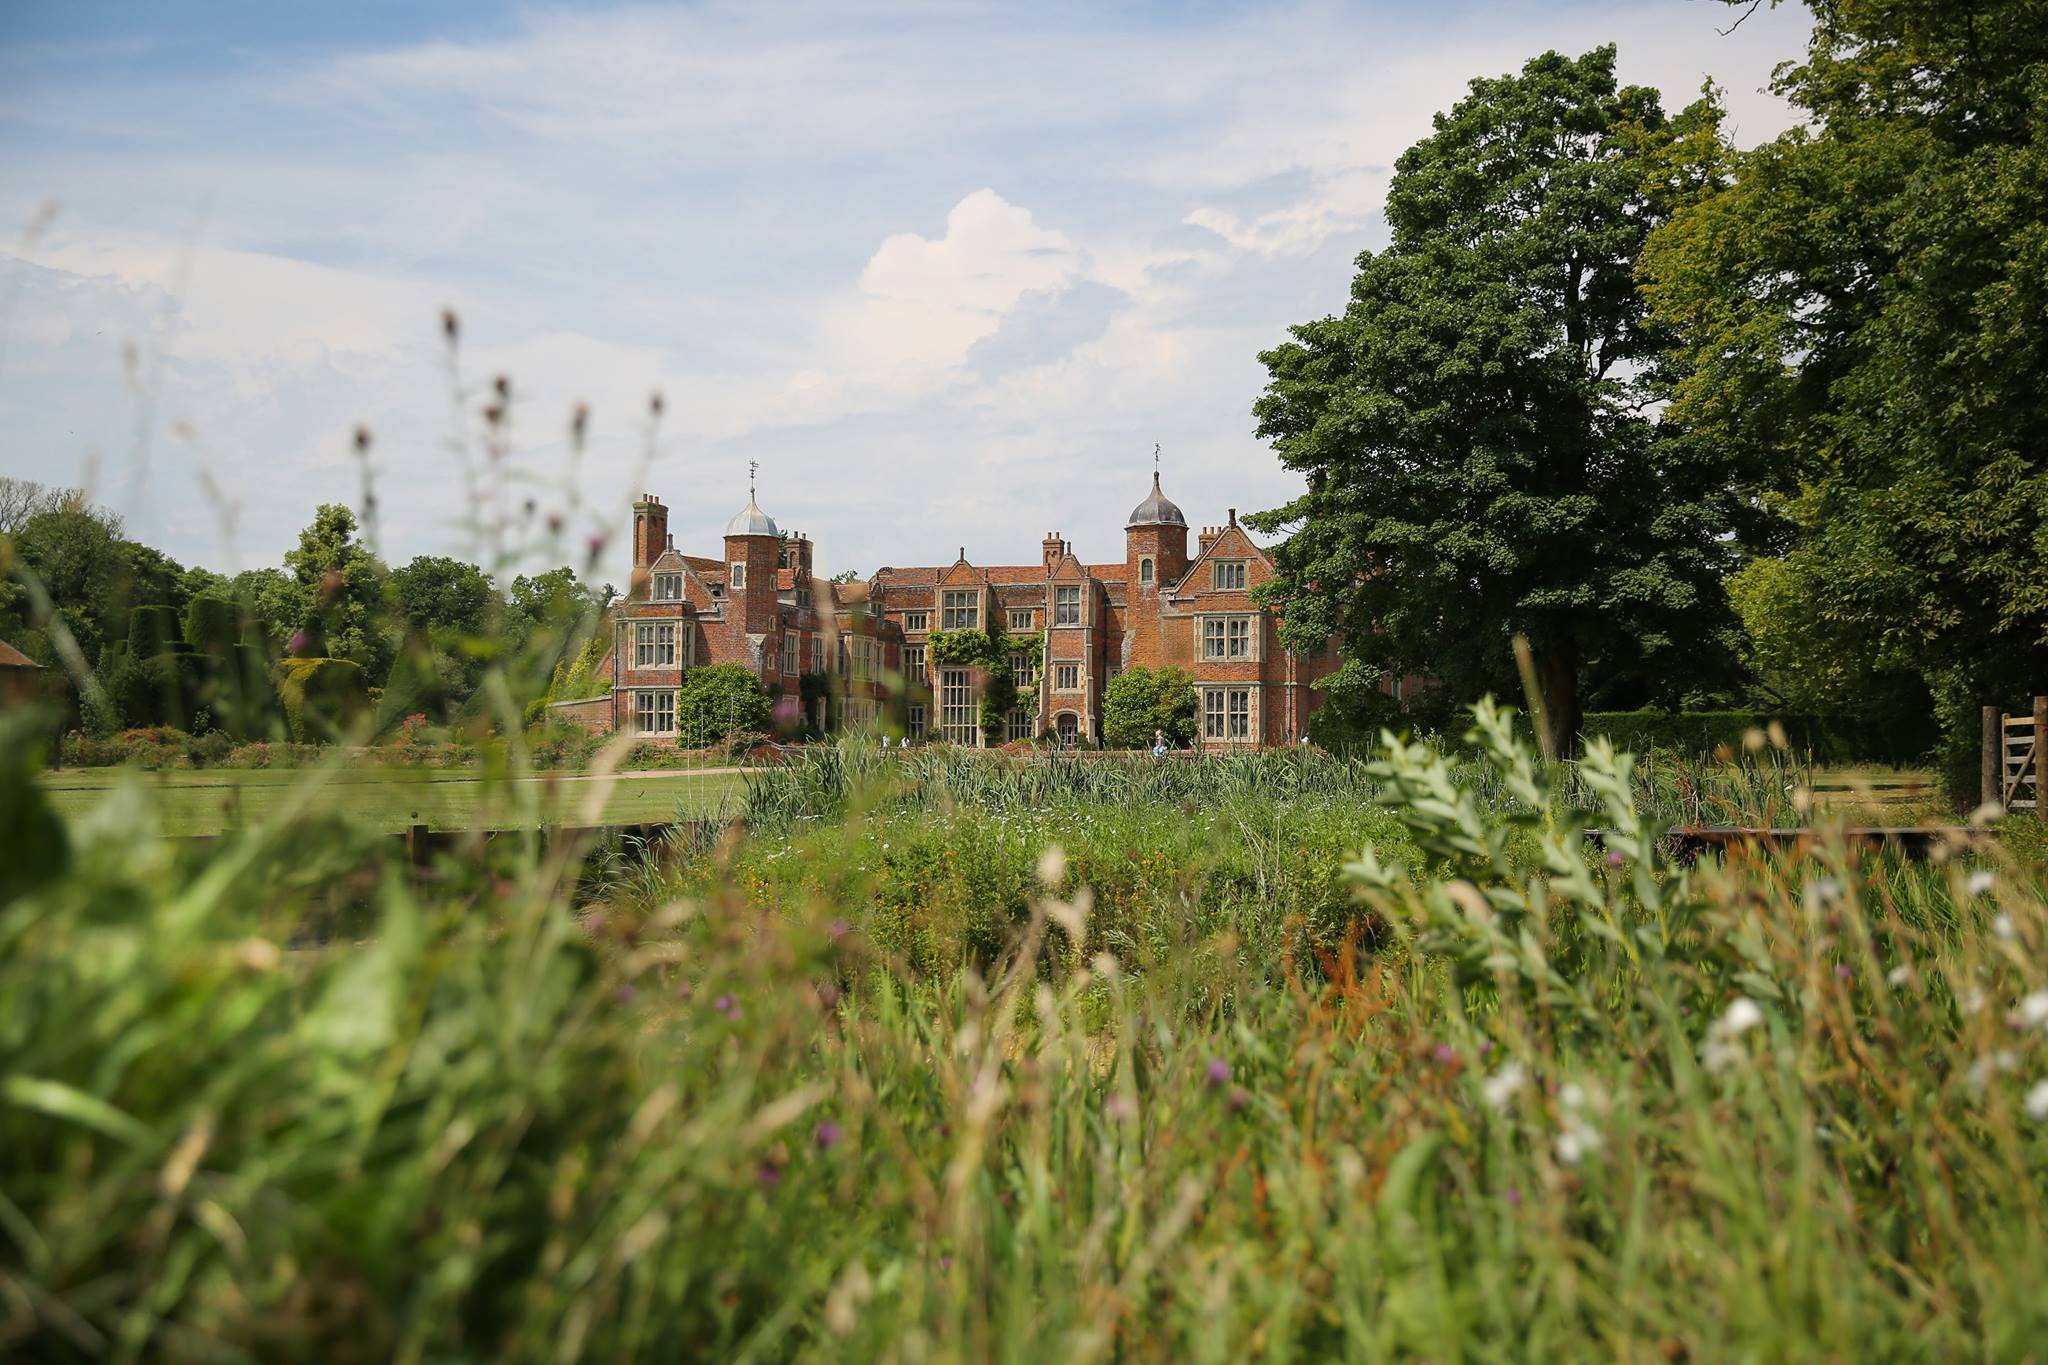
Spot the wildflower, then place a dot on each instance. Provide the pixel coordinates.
(828, 1135)
(840, 928)
(1742, 1015)
(2033, 1011)
(1984, 1068)
(1843, 971)
(1219, 1072)
(769, 1175)
(727, 1006)
(1900, 975)
(2037, 1101)
(299, 644)
(1614, 858)
(1446, 1054)
(2002, 927)
(1825, 891)
(1970, 1000)
(624, 995)
(1239, 1098)
(1513, 1196)
(1575, 1143)
(1981, 881)
(1503, 1085)
(1572, 1096)
(1119, 1108)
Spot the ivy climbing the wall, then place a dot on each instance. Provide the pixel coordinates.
(989, 651)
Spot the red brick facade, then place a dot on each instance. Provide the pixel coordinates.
(760, 607)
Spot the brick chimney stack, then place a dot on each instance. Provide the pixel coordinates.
(1206, 539)
(1052, 549)
(650, 530)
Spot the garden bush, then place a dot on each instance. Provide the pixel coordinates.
(321, 698)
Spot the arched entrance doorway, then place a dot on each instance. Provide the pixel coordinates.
(1067, 726)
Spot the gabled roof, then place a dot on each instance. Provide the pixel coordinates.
(1239, 546)
(10, 657)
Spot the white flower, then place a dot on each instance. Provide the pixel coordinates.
(1970, 1001)
(2001, 925)
(1503, 1085)
(1900, 974)
(1984, 1068)
(1575, 1142)
(1825, 891)
(1981, 881)
(1572, 1096)
(1743, 1014)
(2033, 1011)
(2037, 1101)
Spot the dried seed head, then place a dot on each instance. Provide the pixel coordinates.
(654, 404)
(450, 328)
(362, 439)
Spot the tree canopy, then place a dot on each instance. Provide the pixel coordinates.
(1864, 302)
(1140, 701)
(1480, 429)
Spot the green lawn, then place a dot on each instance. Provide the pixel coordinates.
(210, 800)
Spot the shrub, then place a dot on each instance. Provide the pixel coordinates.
(1832, 739)
(322, 698)
(1139, 701)
(719, 702)
(212, 624)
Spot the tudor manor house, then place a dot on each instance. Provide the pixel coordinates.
(759, 606)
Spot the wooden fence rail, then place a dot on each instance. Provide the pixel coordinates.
(2015, 753)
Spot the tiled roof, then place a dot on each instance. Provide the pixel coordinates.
(10, 657)
(705, 566)
(907, 578)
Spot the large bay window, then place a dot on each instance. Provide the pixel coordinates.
(654, 645)
(1229, 637)
(959, 717)
(1227, 714)
(1066, 605)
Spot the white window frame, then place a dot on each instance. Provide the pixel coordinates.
(737, 575)
(1020, 618)
(1228, 575)
(654, 644)
(913, 661)
(1229, 714)
(1023, 667)
(917, 621)
(1231, 637)
(1060, 675)
(914, 720)
(668, 587)
(652, 705)
(1017, 725)
(959, 708)
(792, 652)
(960, 609)
(1066, 604)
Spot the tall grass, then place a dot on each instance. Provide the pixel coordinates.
(1504, 1097)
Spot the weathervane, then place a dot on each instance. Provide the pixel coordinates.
(753, 468)
(1155, 459)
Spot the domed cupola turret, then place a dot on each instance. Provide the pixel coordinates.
(752, 521)
(1156, 510)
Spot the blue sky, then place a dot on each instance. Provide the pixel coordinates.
(947, 272)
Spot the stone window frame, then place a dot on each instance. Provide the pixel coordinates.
(792, 652)
(1060, 670)
(1024, 667)
(654, 644)
(918, 621)
(1221, 713)
(959, 708)
(960, 608)
(668, 587)
(913, 661)
(1228, 575)
(1066, 604)
(1018, 724)
(737, 575)
(1020, 618)
(654, 704)
(1248, 636)
(1145, 572)
(913, 720)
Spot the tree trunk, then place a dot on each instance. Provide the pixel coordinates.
(1557, 681)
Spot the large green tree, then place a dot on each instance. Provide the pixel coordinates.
(1480, 428)
(341, 591)
(1139, 701)
(1866, 300)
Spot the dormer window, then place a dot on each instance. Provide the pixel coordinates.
(668, 587)
(1145, 572)
(739, 575)
(718, 590)
(1229, 575)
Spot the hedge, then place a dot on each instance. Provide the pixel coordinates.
(321, 697)
(1831, 739)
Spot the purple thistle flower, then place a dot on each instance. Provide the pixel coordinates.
(299, 643)
(1513, 1196)
(1219, 1072)
(727, 1006)
(1446, 1054)
(770, 1175)
(828, 1135)
(1843, 971)
(1614, 858)
(1239, 1097)
(840, 928)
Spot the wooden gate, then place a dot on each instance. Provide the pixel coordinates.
(2015, 753)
